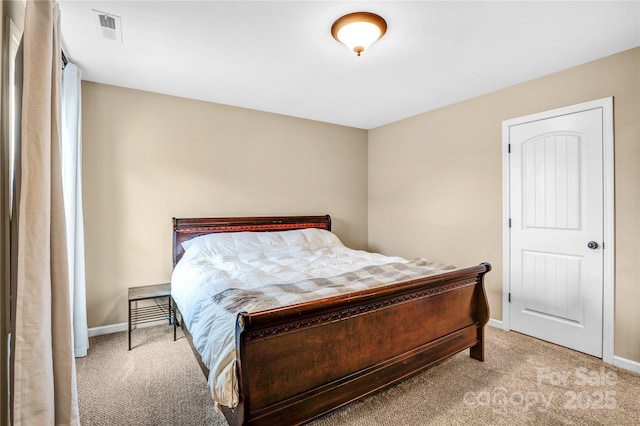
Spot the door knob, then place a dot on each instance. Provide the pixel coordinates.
(592, 245)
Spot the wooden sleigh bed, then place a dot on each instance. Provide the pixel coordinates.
(299, 362)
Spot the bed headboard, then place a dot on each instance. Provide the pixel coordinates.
(187, 228)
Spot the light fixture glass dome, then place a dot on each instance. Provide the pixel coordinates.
(359, 30)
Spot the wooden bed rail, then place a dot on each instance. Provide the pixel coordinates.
(367, 299)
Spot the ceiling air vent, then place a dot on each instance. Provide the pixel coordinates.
(108, 26)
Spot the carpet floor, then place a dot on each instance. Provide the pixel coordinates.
(524, 381)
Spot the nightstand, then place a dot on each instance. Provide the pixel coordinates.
(160, 309)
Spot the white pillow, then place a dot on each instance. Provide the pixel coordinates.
(233, 243)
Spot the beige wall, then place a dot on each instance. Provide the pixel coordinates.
(435, 180)
(150, 157)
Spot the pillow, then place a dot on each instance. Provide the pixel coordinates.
(233, 243)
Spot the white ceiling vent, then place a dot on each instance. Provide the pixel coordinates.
(108, 26)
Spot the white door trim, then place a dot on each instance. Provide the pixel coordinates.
(609, 219)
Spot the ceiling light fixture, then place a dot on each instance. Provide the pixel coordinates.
(359, 30)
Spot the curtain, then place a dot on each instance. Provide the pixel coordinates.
(44, 367)
(72, 189)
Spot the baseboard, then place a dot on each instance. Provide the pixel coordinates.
(495, 323)
(108, 329)
(123, 326)
(626, 364)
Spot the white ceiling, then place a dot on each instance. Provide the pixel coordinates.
(279, 56)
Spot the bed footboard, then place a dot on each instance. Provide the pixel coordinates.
(300, 362)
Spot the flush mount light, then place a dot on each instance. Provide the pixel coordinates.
(359, 30)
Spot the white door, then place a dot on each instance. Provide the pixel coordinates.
(557, 229)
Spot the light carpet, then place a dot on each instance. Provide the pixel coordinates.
(524, 381)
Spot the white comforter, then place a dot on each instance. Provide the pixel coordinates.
(246, 260)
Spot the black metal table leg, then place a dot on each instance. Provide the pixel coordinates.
(129, 324)
(175, 319)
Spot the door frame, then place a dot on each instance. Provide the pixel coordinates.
(608, 296)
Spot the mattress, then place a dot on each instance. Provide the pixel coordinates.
(221, 275)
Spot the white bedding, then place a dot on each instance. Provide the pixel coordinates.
(246, 260)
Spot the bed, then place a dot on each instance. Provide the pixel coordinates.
(293, 363)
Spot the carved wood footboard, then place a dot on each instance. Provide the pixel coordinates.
(299, 362)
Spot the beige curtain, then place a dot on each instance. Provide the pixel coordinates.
(44, 381)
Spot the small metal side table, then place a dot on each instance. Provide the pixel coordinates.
(161, 309)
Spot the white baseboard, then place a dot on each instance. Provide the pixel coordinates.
(626, 364)
(108, 329)
(495, 323)
(123, 326)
